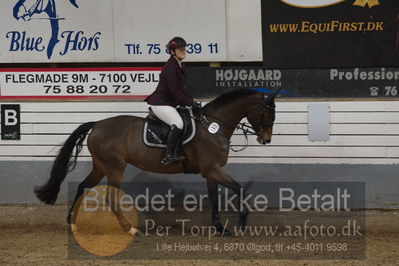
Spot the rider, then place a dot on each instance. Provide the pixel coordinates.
(171, 92)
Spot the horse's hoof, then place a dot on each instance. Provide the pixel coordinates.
(74, 227)
(241, 225)
(69, 218)
(134, 232)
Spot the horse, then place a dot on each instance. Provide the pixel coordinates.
(114, 142)
(22, 11)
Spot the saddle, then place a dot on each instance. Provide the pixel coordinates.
(155, 133)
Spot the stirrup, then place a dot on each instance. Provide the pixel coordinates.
(168, 159)
(179, 156)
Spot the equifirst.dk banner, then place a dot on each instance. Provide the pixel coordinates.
(330, 33)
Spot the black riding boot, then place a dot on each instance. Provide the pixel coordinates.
(173, 138)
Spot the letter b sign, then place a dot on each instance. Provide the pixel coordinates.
(10, 122)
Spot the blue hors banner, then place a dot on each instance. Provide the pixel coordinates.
(142, 29)
(57, 31)
(109, 30)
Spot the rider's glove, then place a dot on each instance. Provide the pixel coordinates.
(196, 107)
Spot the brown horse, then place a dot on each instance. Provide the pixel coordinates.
(117, 141)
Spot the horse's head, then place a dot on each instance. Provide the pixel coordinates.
(261, 117)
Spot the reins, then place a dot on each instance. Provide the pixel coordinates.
(244, 127)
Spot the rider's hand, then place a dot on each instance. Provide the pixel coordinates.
(196, 107)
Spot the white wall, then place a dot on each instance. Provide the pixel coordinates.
(244, 30)
(361, 132)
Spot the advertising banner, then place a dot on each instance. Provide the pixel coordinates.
(142, 29)
(43, 31)
(330, 33)
(56, 31)
(75, 83)
(202, 82)
(205, 82)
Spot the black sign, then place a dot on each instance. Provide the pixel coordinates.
(10, 122)
(206, 82)
(351, 33)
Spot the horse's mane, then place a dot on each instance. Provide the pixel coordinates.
(230, 96)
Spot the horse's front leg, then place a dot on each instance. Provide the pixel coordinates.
(229, 182)
(213, 198)
(218, 175)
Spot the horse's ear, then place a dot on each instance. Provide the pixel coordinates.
(269, 98)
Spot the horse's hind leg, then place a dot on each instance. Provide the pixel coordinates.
(114, 182)
(90, 181)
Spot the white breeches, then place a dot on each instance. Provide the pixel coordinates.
(168, 114)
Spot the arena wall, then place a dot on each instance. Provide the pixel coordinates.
(363, 146)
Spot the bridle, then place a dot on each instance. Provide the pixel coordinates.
(265, 106)
(246, 129)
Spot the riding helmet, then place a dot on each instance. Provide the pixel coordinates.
(176, 42)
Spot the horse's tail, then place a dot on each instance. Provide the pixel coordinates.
(62, 164)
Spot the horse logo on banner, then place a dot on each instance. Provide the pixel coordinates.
(27, 9)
